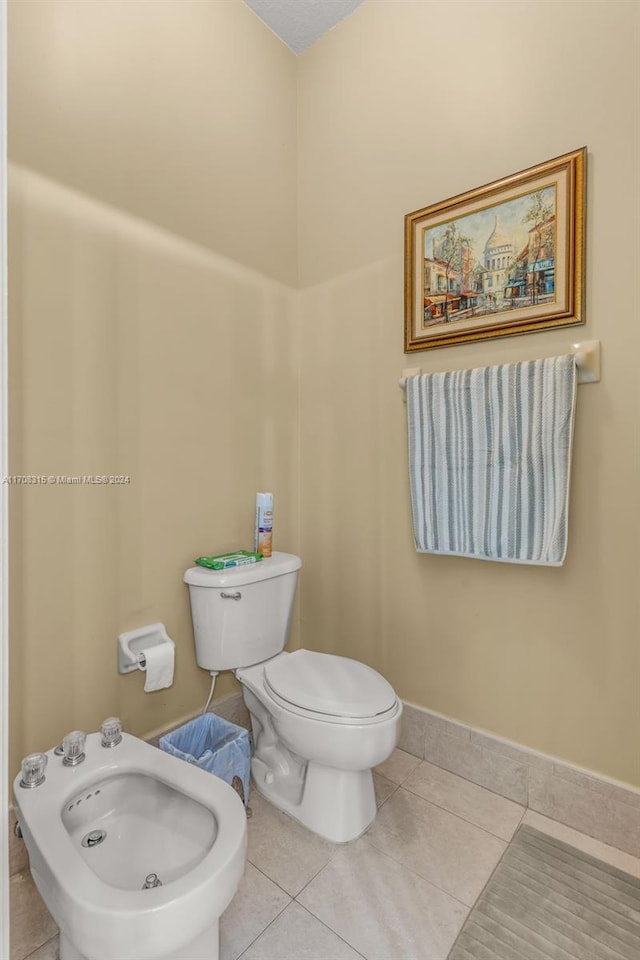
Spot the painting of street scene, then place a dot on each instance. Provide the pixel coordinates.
(502, 259)
(498, 259)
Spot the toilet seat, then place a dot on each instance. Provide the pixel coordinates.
(331, 687)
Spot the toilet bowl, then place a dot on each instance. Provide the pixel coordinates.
(320, 722)
(135, 853)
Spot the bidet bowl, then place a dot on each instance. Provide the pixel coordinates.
(160, 815)
(132, 824)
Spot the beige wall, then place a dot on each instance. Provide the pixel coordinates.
(153, 261)
(407, 103)
(181, 112)
(151, 335)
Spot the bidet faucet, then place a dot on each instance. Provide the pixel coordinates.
(73, 748)
(111, 731)
(33, 768)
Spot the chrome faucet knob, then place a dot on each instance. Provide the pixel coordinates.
(111, 731)
(33, 768)
(73, 747)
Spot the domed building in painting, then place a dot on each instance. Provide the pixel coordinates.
(497, 260)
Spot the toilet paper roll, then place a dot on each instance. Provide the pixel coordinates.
(160, 661)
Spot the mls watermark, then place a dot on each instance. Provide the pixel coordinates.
(56, 480)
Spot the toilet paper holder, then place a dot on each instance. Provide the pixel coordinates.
(131, 646)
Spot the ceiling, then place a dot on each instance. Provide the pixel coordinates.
(301, 22)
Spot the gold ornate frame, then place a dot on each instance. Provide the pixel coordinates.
(529, 279)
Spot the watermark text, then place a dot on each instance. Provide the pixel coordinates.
(53, 480)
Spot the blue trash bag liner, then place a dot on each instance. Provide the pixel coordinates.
(214, 745)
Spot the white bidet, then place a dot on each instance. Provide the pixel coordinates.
(135, 853)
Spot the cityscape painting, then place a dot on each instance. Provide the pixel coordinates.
(502, 259)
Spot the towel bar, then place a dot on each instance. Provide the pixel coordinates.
(587, 356)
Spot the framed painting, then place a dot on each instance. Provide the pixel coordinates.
(507, 258)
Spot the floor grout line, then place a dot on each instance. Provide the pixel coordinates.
(334, 932)
(415, 873)
(271, 880)
(42, 945)
(471, 823)
(264, 930)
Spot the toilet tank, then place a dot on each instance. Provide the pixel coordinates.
(241, 615)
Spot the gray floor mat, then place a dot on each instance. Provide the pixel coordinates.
(548, 901)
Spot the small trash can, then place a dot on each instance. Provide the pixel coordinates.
(214, 745)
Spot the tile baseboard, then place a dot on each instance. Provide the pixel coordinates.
(597, 806)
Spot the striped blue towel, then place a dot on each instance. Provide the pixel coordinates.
(490, 459)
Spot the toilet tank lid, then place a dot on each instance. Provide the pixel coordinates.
(274, 566)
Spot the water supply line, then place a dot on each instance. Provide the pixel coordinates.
(214, 674)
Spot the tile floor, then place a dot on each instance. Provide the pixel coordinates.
(400, 892)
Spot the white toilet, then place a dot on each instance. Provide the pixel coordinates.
(320, 722)
(135, 853)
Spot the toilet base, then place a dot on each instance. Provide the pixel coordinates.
(204, 947)
(338, 805)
